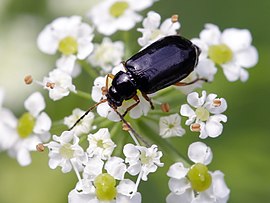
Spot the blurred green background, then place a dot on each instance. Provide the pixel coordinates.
(242, 152)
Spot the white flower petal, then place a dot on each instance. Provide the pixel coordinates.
(115, 167)
(93, 168)
(177, 171)
(199, 152)
(194, 99)
(220, 188)
(236, 39)
(23, 157)
(243, 75)
(186, 197)
(179, 186)
(247, 58)
(35, 103)
(43, 123)
(186, 110)
(46, 42)
(66, 63)
(231, 71)
(211, 34)
(213, 127)
(206, 69)
(75, 197)
(130, 150)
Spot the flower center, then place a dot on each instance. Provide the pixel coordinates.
(25, 125)
(118, 8)
(68, 45)
(155, 34)
(202, 113)
(199, 177)
(105, 187)
(100, 144)
(66, 151)
(144, 158)
(220, 54)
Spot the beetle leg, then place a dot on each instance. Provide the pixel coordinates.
(148, 99)
(136, 98)
(190, 83)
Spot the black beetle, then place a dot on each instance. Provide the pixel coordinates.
(161, 64)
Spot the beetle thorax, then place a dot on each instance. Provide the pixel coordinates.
(123, 88)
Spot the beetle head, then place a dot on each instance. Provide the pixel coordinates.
(123, 88)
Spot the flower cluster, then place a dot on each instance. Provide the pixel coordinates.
(110, 171)
(95, 184)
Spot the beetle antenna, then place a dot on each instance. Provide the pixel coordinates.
(87, 112)
(131, 129)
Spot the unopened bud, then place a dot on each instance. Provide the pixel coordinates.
(174, 18)
(165, 107)
(28, 79)
(40, 147)
(50, 85)
(216, 102)
(196, 127)
(125, 127)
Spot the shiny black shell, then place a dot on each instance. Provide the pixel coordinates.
(163, 63)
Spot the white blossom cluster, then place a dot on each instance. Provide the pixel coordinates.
(104, 173)
(101, 176)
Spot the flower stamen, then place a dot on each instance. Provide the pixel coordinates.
(216, 102)
(196, 127)
(28, 80)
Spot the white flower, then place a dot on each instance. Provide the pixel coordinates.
(170, 126)
(201, 119)
(85, 192)
(152, 29)
(231, 49)
(107, 54)
(21, 136)
(114, 166)
(112, 15)
(184, 184)
(59, 84)
(70, 36)
(105, 110)
(8, 123)
(97, 186)
(142, 160)
(100, 144)
(66, 152)
(82, 127)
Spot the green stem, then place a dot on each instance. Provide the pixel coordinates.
(91, 71)
(164, 144)
(83, 94)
